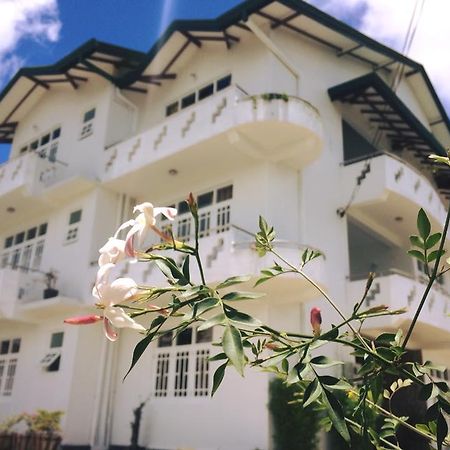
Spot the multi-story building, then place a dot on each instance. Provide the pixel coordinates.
(274, 108)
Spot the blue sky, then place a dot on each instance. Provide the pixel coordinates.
(39, 32)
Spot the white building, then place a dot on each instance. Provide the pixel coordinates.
(106, 128)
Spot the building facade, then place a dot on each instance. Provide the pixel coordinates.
(274, 108)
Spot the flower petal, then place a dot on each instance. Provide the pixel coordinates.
(127, 224)
(120, 319)
(109, 330)
(129, 240)
(170, 213)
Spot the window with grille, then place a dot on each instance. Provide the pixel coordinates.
(45, 145)
(24, 250)
(182, 366)
(87, 127)
(162, 374)
(72, 231)
(184, 228)
(9, 348)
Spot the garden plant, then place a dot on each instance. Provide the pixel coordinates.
(360, 411)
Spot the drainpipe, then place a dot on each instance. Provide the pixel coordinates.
(103, 408)
(275, 50)
(122, 99)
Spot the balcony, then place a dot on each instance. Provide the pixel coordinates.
(224, 131)
(399, 290)
(390, 195)
(227, 251)
(30, 184)
(23, 299)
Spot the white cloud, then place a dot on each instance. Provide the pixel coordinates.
(22, 19)
(388, 20)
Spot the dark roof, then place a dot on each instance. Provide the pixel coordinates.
(295, 15)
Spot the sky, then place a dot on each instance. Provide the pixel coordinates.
(39, 32)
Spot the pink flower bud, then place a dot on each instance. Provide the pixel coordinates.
(316, 320)
(83, 320)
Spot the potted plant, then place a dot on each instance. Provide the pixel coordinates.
(50, 282)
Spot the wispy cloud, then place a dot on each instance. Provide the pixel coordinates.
(24, 19)
(388, 20)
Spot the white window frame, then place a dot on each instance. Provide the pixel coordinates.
(87, 126)
(182, 371)
(8, 368)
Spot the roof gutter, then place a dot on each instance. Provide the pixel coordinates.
(274, 49)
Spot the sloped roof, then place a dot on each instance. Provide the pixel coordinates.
(135, 70)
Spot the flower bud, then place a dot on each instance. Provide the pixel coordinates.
(83, 320)
(316, 321)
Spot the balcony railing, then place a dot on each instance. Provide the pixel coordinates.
(398, 291)
(223, 111)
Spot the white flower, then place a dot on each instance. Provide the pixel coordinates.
(111, 294)
(112, 252)
(144, 222)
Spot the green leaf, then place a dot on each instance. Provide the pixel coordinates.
(218, 357)
(201, 307)
(442, 430)
(262, 280)
(240, 295)
(417, 241)
(417, 254)
(434, 255)
(233, 280)
(423, 224)
(220, 319)
(233, 348)
(433, 240)
(312, 393)
(141, 346)
(243, 319)
(324, 361)
(335, 414)
(186, 269)
(218, 377)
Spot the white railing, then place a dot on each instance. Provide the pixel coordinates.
(202, 120)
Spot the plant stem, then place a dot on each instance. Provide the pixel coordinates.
(389, 444)
(430, 281)
(327, 297)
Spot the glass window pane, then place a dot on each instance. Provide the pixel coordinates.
(42, 229)
(185, 337)
(224, 193)
(206, 91)
(15, 346)
(9, 241)
(4, 347)
(205, 199)
(183, 207)
(23, 149)
(56, 133)
(45, 139)
(31, 233)
(57, 340)
(19, 237)
(204, 336)
(89, 115)
(75, 217)
(188, 100)
(34, 145)
(223, 83)
(172, 109)
(165, 340)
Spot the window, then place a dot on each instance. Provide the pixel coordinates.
(202, 93)
(9, 241)
(171, 109)
(51, 361)
(88, 123)
(56, 340)
(188, 100)
(44, 145)
(206, 91)
(223, 83)
(9, 348)
(214, 214)
(25, 251)
(182, 364)
(72, 232)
